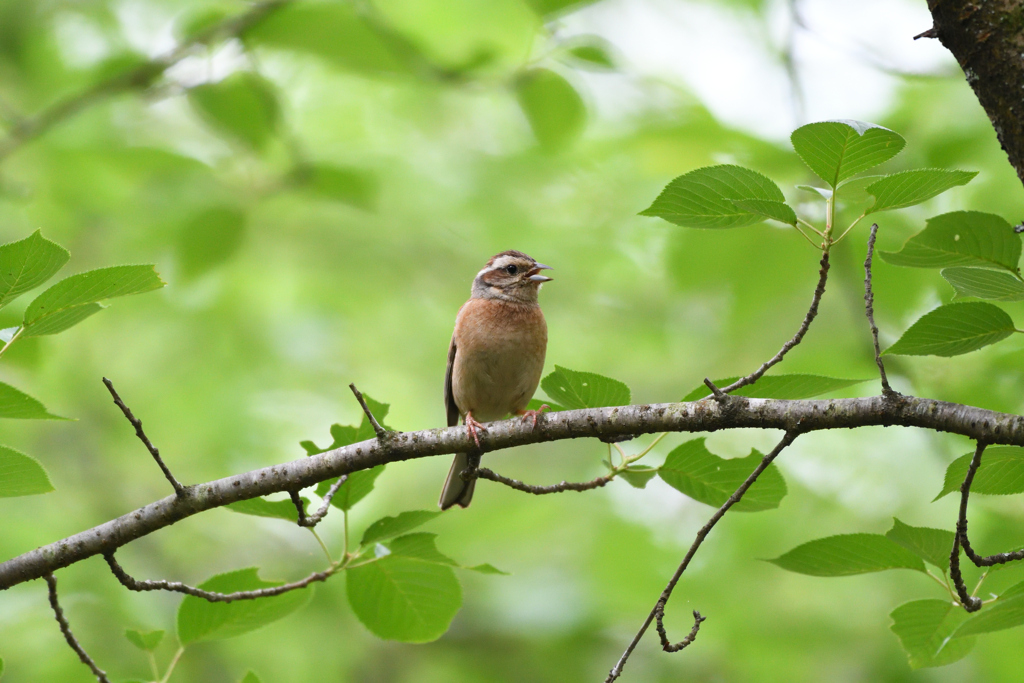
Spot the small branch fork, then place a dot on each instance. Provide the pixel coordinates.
(869, 305)
(311, 521)
(179, 489)
(377, 429)
(484, 473)
(65, 628)
(659, 608)
(174, 586)
(797, 338)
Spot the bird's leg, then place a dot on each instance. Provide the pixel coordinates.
(532, 414)
(472, 426)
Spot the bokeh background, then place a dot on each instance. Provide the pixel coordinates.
(284, 286)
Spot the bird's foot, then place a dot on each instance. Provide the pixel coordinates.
(472, 426)
(532, 414)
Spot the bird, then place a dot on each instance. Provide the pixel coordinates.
(495, 358)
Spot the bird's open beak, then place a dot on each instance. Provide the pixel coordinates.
(535, 276)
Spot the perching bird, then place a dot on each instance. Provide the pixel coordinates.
(496, 355)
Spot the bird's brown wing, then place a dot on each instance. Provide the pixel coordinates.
(449, 396)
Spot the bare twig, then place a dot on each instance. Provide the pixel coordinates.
(377, 429)
(659, 606)
(715, 391)
(137, 423)
(811, 313)
(314, 519)
(869, 304)
(666, 644)
(177, 587)
(930, 33)
(65, 628)
(484, 473)
(961, 523)
(969, 602)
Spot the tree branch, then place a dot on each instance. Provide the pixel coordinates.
(961, 523)
(698, 416)
(377, 429)
(484, 473)
(314, 519)
(65, 628)
(869, 306)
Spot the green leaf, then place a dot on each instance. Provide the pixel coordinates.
(331, 31)
(848, 554)
(907, 188)
(356, 487)
(594, 54)
(536, 403)
(931, 545)
(192, 25)
(789, 387)
(549, 9)
(21, 475)
(487, 569)
(251, 677)
(994, 285)
(704, 198)
(17, 405)
(145, 640)
(837, 150)
(575, 390)
(637, 476)
(961, 238)
(419, 546)
(778, 211)
(554, 109)
(75, 298)
(924, 627)
(1001, 472)
(1, 667)
(353, 186)
(28, 263)
(243, 106)
(403, 598)
(209, 238)
(202, 620)
(261, 507)
(345, 435)
(700, 474)
(389, 527)
(822, 192)
(954, 329)
(999, 616)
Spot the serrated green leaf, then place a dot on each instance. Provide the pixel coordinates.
(389, 527)
(404, 598)
(981, 283)
(961, 238)
(28, 263)
(209, 238)
(356, 487)
(354, 186)
(144, 640)
(789, 387)
(837, 150)
(778, 211)
(202, 620)
(243, 106)
(75, 298)
(261, 507)
(554, 109)
(251, 677)
(575, 390)
(924, 627)
(954, 329)
(704, 198)
(822, 192)
(1001, 472)
(700, 474)
(931, 545)
(20, 406)
(907, 188)
(999, 616)
(21, 475)
(637, 476)
(848, 554)
(419, 546)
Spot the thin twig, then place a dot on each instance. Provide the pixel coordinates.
(377, 429)
(715, 391)
(969, 602)
(869, 304)
(930, 33)
(811, 313)
(484, 473)
(137, 423)
(65, 628)
(314, 519)
(133, 584)
(666, 644)
(961, 524)
(659, 606)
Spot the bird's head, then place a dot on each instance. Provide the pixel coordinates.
(510, 276)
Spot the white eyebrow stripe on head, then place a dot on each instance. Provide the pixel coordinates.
(498, 264)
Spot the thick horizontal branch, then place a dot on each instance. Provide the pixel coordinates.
(700, 416)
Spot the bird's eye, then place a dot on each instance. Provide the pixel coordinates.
(511, 270)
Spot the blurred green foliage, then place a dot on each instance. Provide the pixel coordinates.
(330, 237)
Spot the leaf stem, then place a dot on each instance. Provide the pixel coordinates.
(852, 226)
(8, 344)
(323, 546)
(802, 233)
(152, 665)
(345, 515)
(943, 584)
(809, 225)
(174, 663)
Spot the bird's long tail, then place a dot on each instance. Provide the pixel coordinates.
(456, 490)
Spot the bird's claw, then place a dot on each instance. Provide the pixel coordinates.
(532, 414)
(472, 426)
